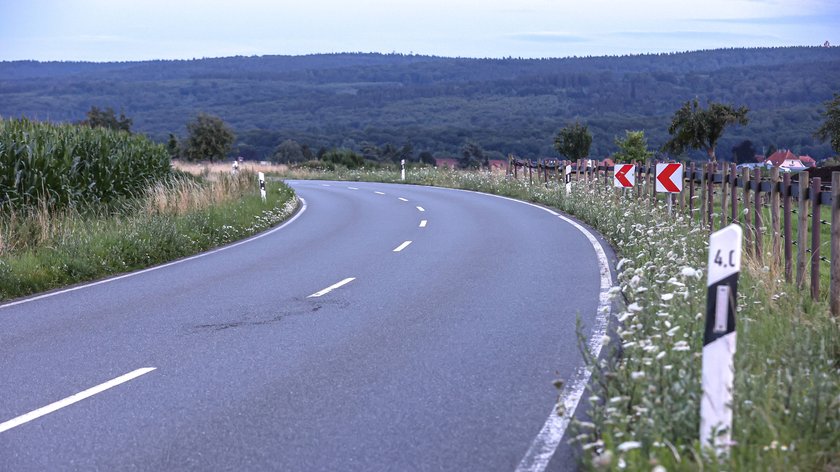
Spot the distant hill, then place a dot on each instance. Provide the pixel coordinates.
(437, 104)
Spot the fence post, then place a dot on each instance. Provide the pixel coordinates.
(733, 186)
(710, 205)
(816, 186)
(691, 193)
(802, 237)
(682, 193)
(606, 180)
(703, 175)
(748, 233)
(757, 218)
(786, 191)
(776, 241)
(834, 291)
(724, 188)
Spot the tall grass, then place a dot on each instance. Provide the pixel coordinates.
(60, 165)
(180, 216)
(644, 398)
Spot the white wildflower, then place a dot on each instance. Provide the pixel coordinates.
(629, 445)
(688, 272)
(634, 307)
(681, 346)
(667, 297)
(637, 375)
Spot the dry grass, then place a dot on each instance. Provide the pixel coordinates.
(172, 197)
(211, 170)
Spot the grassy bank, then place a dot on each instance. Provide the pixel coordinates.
(645, 393)
(44, 247)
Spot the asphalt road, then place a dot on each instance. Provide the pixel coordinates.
(438, 356)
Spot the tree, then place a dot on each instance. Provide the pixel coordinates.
(695, 128)
(573, 141)
(288, 151)
(830, 130)
(427, 158)
(209, 138)
(172, 147)
(472, 156)
(744, 152)
(107, 118)
(344, 157)
(632, 148)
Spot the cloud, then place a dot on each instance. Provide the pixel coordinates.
(802, 20)
(692, 35)
(549, 37)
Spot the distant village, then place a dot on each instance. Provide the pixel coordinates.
(783, 159)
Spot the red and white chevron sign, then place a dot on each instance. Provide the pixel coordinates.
(624, 176)
(669, 178)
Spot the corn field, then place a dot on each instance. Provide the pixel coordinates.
(61, 165)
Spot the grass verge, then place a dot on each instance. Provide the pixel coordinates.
(182, 216)
(645, 394)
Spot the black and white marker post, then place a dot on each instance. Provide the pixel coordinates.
(719, 339)
(262, 185)
(402, 169)
(567, 175)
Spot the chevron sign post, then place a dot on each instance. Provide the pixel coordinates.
(624, 176)
(719, 339)
(669, 178)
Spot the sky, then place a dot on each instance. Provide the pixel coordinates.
(128, 30)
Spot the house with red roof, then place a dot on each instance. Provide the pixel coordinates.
(446, 162)
(498, 165)
(786, 161)
(808, 161)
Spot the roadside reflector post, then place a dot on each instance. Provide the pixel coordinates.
(718, 375)
(567, 176)
(262, 185)
(402, 169)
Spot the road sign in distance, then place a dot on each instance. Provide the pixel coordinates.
(669, 178)
(624, 176)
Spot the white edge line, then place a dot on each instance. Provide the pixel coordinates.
(402, 246)
(423, 223)
(403, 199)
(162, 266)
(332, 287)
(45, 410)
(422, 209)
(545, 444)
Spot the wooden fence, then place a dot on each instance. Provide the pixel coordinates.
(715, 195)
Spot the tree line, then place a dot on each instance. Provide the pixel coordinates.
(692, 128)
(439, 105)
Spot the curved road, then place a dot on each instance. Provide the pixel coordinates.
(434, 354)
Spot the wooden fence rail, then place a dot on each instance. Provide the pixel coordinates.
(719, 195)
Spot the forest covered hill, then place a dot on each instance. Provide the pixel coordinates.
(438, 104)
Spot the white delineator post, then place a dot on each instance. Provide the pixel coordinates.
(567, 176)
(402, 169)
(262, 185)
(719, 339)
